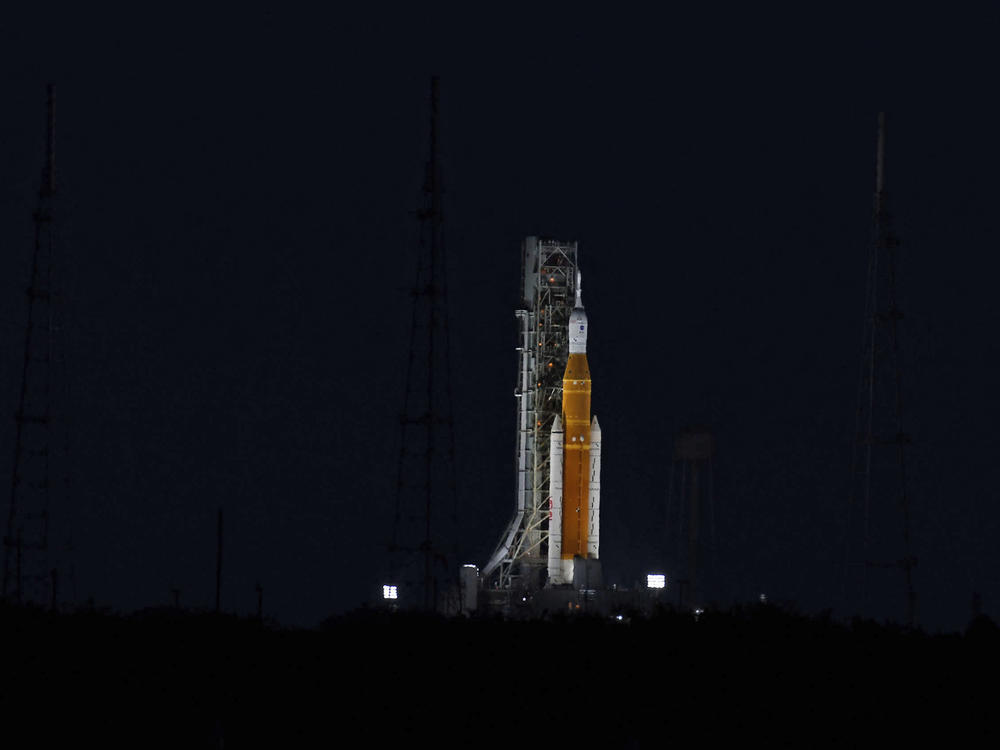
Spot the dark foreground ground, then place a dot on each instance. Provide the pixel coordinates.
(374, 680)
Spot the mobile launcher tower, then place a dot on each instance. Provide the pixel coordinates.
(553, 539)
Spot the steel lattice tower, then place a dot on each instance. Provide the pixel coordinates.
(548, 289)
(879, 479)
(424, 532)
(26, 573)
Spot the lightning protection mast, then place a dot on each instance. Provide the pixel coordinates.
(425, 529)
(26, 574)
(879, 484)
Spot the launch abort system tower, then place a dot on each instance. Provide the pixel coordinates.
(548, 294)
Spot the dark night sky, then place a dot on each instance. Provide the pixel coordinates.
(236, 208)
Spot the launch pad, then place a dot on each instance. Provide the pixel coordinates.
(553, 539)
(548, 559)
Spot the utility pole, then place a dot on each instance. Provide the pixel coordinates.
(218, 564)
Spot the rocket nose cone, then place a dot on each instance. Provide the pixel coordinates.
(595, 427)
(557, 424)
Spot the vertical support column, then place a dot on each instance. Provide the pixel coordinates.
(524, 425)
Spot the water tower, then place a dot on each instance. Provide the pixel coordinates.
(690, 506)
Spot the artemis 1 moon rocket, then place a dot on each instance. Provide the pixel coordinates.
(575, 462)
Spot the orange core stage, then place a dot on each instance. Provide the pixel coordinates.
(576, 461)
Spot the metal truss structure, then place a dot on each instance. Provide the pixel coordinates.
(548, 285)
(879, 473)
(423, 550)
(26, 573)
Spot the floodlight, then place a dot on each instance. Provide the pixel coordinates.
(389, 592)
(656, 581)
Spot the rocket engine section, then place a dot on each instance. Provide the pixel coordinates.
(575, 462)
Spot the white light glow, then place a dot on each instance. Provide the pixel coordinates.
(389, 592)
(656, 581)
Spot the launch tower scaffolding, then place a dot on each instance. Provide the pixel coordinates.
(548, 289)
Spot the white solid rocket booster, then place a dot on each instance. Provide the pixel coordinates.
(594, 540)
(555, 501)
